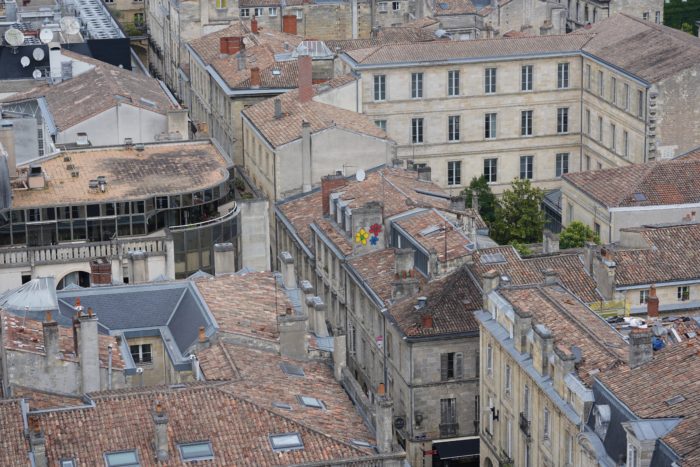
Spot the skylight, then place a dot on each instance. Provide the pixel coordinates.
(66, 463)
(640, 197)
(431, 230)
(291, 369)
(122, 459)
(675, 400)
(492, 258)
(361, 443)
(148, 102)
(282, 405)
(286, 442)
(198, 451)
(311, 402)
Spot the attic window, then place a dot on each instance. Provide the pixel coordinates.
(122, 459)
(640, 197)
(675, 400)
(198, 451)
(311, 402)
(492, 258)
(286, 442)
(282, 405)
(291, 370)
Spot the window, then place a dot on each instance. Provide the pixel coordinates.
(489, 425)
(491, 170)
(545, 424)
(588, 121)
(381, 124)
(640, 104)
(526, 401)
(645, 16)
(570, 212)
(199, 451)
(379, 87)
(300, 14)
(600, 129)
(601, 84)
(562, 164)
(526, 123)
(490, 80)
(613, 134)
(448, 411)
(596, 229)
(453, 128)
(272, 11)
(657, 17)
(291, 370)
(684, 293)
(141, 353)
(625, 144)
(569, 448)
(626, 96)
(588, 162)
(526, 167)
(453, 83)
(643, 297)
(454, 173)
(417, 130)
(312, 402)
(286, 442)
(490, 126)
(588, 77)
(599, 166)
(122, 459)
(416, 85)
(613, 90)
(451, 366)
(563, 120)
(245, 12)
(66, 463)
(138, 19)
(632, 456)
(526, 78)
(508, 384)
(563, 75)
(259, 12)
(489, 359)
(396, 6)
(509, 438)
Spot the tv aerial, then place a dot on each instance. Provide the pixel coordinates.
(70, 25)
(14, 37)
(38, 54)
(45, 36)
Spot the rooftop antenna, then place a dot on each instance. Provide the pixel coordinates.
(15, 38)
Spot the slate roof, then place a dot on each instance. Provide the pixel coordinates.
(93, 92)
(674, 371)
(451, 302)
(525, 271)
(572, 324)
(652, 184)
(13, 445)
(672, 255)
(237, 427)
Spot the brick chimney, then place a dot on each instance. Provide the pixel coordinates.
(404, 284)
(254, 25)
(160, 419)
(255, 77)
(328, 184)
(426, 321)
(100, 272)
(652, 303)
(289, 24)
(230, 45)
(50, 328)
(89, 352)
(37, 442)
(640, 349)
(306, 91)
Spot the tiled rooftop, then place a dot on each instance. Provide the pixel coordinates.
(430, 228)
(26, 335)
(40, 400)
(247, 304)
(105, 86)
(160, 169)
(524, 271)
(13, 445)
(673, 372)
(459, 7)
(672, 255)
(378, 270)
(257, 376)
(237, 427)
(572, 324)
(655, 183)
(301, 213)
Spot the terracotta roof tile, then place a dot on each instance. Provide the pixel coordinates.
(301, 213)
(448, 249)
(13, 446)
(40, 400)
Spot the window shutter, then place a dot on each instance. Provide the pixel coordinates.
(459, 366)
(443, 367)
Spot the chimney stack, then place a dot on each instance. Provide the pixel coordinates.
(404, 284)
(224, 258)
(89, 352)
(292, 329)
(287, 270)
(7, 143)
(138, 260)
(241, 60)
(278, 108)
(424, 173)
(369, 218)
(289, 24)
(550, 276)
(254, 25)
(255, 77)
(100, 272)
(37, 443)
(50, 328)
(305, 156)
(641, 350)
(652, 304)
(306, 90)
(330, 183)
(490, 280)
(385, 422)
(160, 419)
(230, 45)
(55, 62)
(426, 321)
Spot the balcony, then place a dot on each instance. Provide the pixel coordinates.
(448, 430)
(524, 425)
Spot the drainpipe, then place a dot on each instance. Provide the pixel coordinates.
(109, 366)
(383, 312)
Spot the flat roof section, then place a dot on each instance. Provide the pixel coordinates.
(159, 169)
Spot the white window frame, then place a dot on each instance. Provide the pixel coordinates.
(493, 169)
(259, 12)
(454, 173)
(453, 83)
(244, 12)
(562, 120)
(526, 76)
(272, 11)
(490, 125)
(562, 163)
(453, 128)
(490, 77)
(563, 75)
(379, 88)
(526, 118)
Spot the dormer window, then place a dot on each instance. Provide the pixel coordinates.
(602, 420)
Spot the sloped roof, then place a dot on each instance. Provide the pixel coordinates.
(13, 447)
(434, 231)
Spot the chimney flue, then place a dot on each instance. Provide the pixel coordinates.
(278, 108)
(89, 352)
(640, 349)
(50, 328)
(306, 90)
(652, 303)
(160, 419)
(255, 77)
(254, 25)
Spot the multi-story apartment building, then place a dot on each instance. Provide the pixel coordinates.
(595, 99)
(585, 12)
(540, 351)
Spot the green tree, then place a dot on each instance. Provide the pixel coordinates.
(519, 216)
(487, 200)
(521, 248)
(687, 27)
(576, 234)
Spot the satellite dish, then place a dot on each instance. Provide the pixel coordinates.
(38, 54)
(24, 61)
(14, 37)
(70, 25)
(45, 36)
(360, 175)
(36, 74)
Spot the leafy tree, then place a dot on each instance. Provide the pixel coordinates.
(576, 234)
(521, 248)
(487, 200)
(687, 27)
(519, 217)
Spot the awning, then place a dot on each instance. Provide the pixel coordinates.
(462, 447)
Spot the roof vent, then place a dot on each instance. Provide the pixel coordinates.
(82, 139)
(139, 147)
(128, 142)
(102, 183)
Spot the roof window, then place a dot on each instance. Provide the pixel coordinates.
(675, 400)
(122, 459)
(639, 196)
(198, 451)
(291, 370)
(311, 402)
(492, 258)
(286, 442)
(66, 463)
(282, 405)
